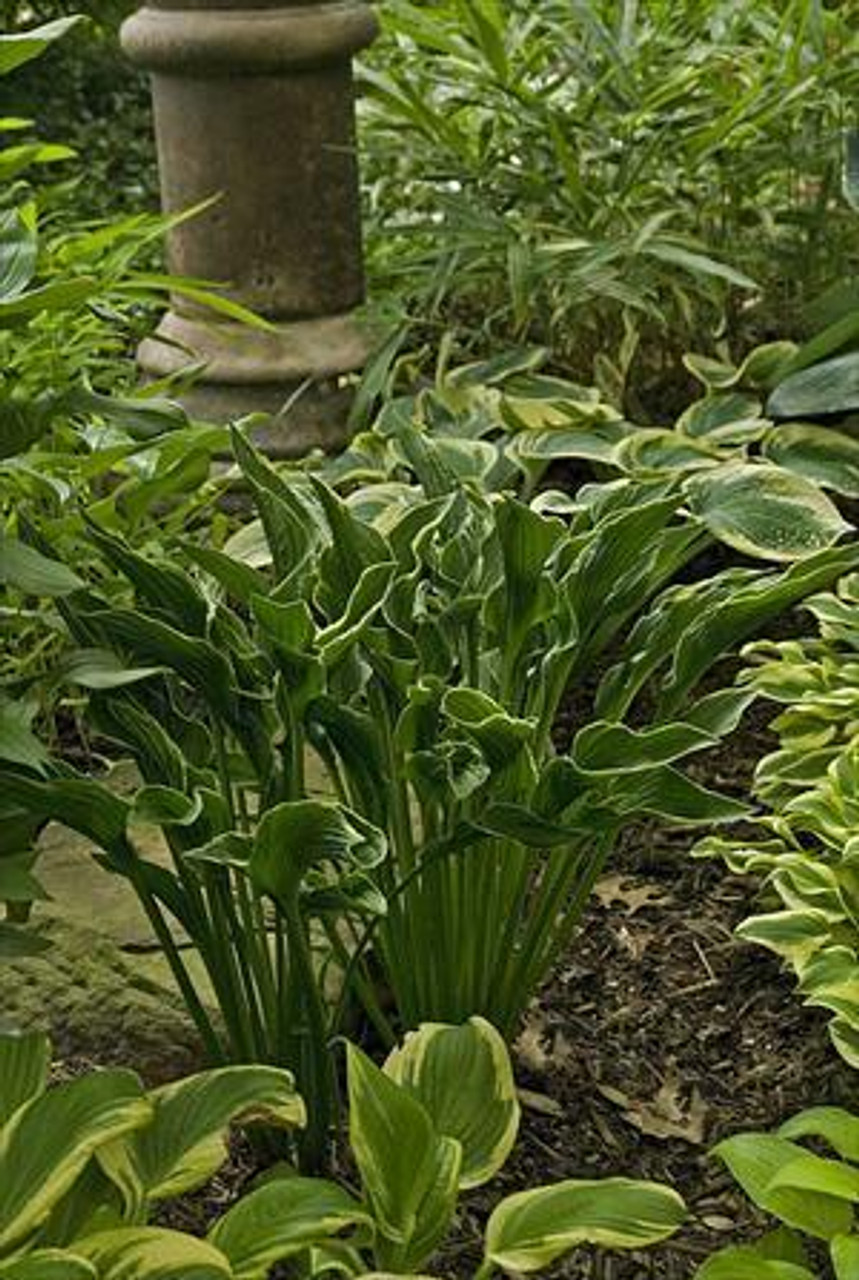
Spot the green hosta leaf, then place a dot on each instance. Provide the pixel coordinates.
(58, 295)
(101, 669)
(820, 454)
(282, 1219)
(24, 1062)
(294, 836)
(80, 1117)
(764, 511)
(164, 807)
(29, 571)
(81, 804)
(18, 744)
(434, 1215)
(185, 1142)
(500, 736)
(397, 1149)
(17, 49)
(829, 387)
(152, 1253)
(17, 883)
(48, 1264)
(652, 449)
(462, 1075)
(19, 249)
(609, 748)
(668, 794)
(844, 1251)
(755, 1159)
(809, 1172)
(743, 1262)
(530, 1230)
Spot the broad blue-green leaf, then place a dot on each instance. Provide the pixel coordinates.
(80, 1117)
(530, 1230)
(462, 1075)
(829, 387)
(820, 454)
(26, 569)
(283, 1218)
(755, 1159)
(24, 1061)
(764, 511)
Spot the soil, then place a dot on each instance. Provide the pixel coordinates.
(659, 1035)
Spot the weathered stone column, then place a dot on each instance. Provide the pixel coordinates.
(254, 103)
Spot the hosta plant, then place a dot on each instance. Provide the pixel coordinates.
(344, 723)
(809, 1194)
(85, 1162)
(807, 850)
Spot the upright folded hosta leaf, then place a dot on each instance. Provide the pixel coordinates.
(152, 1253)
(530, 1230)
(292, 837)
(282, 1219)
(765, 511)
(462, 1076)
(80, 1116)
(24, 1062)
(184, 1143)
(404, 1165)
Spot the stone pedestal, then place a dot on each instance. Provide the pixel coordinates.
(254, 105)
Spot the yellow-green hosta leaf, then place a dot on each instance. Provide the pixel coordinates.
(745, 1263)
(152, 1253)
(396, 1147)
(756, 1159)
(24, 1062)
(844, 1251)
(809, 1172)
(283, 1218)
(48, 1264)
(764, 511)
(530, 1230)
(185, 1142)
(462, 1075)
(49, 1141)
(845, 1037)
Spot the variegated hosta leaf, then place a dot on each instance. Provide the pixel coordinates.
(764, 511)
(530, 1230)
(152, 1253)
(79, 1117)
(820, 454)
(48, 1264)
(463, 1076)
(409, 1172)
(832, 386)
(185, 1141)
(284, 1218)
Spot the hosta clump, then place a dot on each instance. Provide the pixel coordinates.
(810, 829)
(343, 725)
(808, 1193)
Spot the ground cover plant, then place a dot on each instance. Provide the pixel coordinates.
(618, 181)
(85, 1163)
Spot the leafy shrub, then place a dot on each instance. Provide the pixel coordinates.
(440, 1117)
(807, 1193)
(610, 180)
(810, 787)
